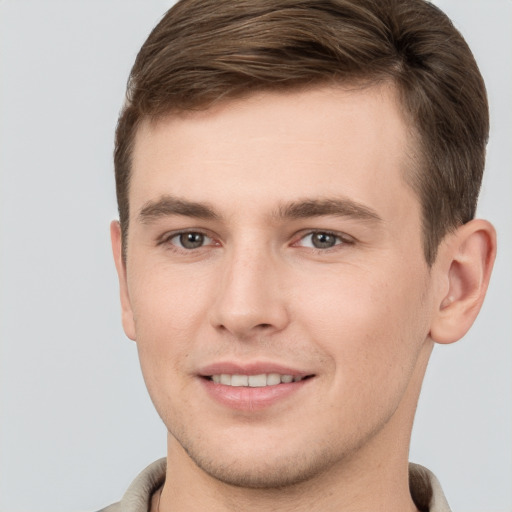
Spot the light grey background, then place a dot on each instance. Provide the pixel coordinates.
(76, 422)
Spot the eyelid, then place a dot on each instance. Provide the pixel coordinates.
(169, 235)
(344, 238)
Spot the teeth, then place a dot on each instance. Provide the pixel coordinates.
(273, 379)
(257, 381)
(239, 380)
(254, 381)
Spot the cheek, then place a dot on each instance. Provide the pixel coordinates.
(168, 299)
(371, 324)
(372, 331)
(167, 312)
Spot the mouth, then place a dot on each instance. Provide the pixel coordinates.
(255, 381)
(253, 387)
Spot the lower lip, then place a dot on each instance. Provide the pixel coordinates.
(251, 399)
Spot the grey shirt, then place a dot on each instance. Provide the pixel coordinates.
(425, 490)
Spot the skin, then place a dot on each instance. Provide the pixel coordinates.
(360, 317)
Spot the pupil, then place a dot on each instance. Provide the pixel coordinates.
(191, 240)
(323, 240)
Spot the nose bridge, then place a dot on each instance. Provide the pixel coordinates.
(250, 298)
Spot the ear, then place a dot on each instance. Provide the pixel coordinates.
(465, 261)
(126, 307)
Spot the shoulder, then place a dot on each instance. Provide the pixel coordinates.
(426, 490)
(138, 495)
(115, 507)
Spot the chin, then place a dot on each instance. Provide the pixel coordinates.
(261, 470)
(260, 476)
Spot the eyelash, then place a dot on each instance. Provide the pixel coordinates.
(341, 240)
(166, 239)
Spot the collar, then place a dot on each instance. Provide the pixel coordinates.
(425, 489)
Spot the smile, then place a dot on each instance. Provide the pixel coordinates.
(255, 381)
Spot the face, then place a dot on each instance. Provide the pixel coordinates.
(275, 281)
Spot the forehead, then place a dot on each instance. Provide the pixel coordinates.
(274, 147)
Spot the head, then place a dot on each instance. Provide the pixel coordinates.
(296, 183)
(205, 52)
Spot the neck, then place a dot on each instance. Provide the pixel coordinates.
(375, 477)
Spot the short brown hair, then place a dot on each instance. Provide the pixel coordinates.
(205, 51)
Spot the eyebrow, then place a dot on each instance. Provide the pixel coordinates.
(169, 205)
(301, 209)
(339, 207)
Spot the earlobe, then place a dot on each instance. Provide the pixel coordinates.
(467, 259)
(126, 308)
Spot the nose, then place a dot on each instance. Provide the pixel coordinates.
(251, 298)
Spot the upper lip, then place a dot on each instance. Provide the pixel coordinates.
(252, 368)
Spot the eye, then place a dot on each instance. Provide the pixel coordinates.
(190, 240)
(321, 240)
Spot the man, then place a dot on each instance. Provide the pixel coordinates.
(297, 183)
